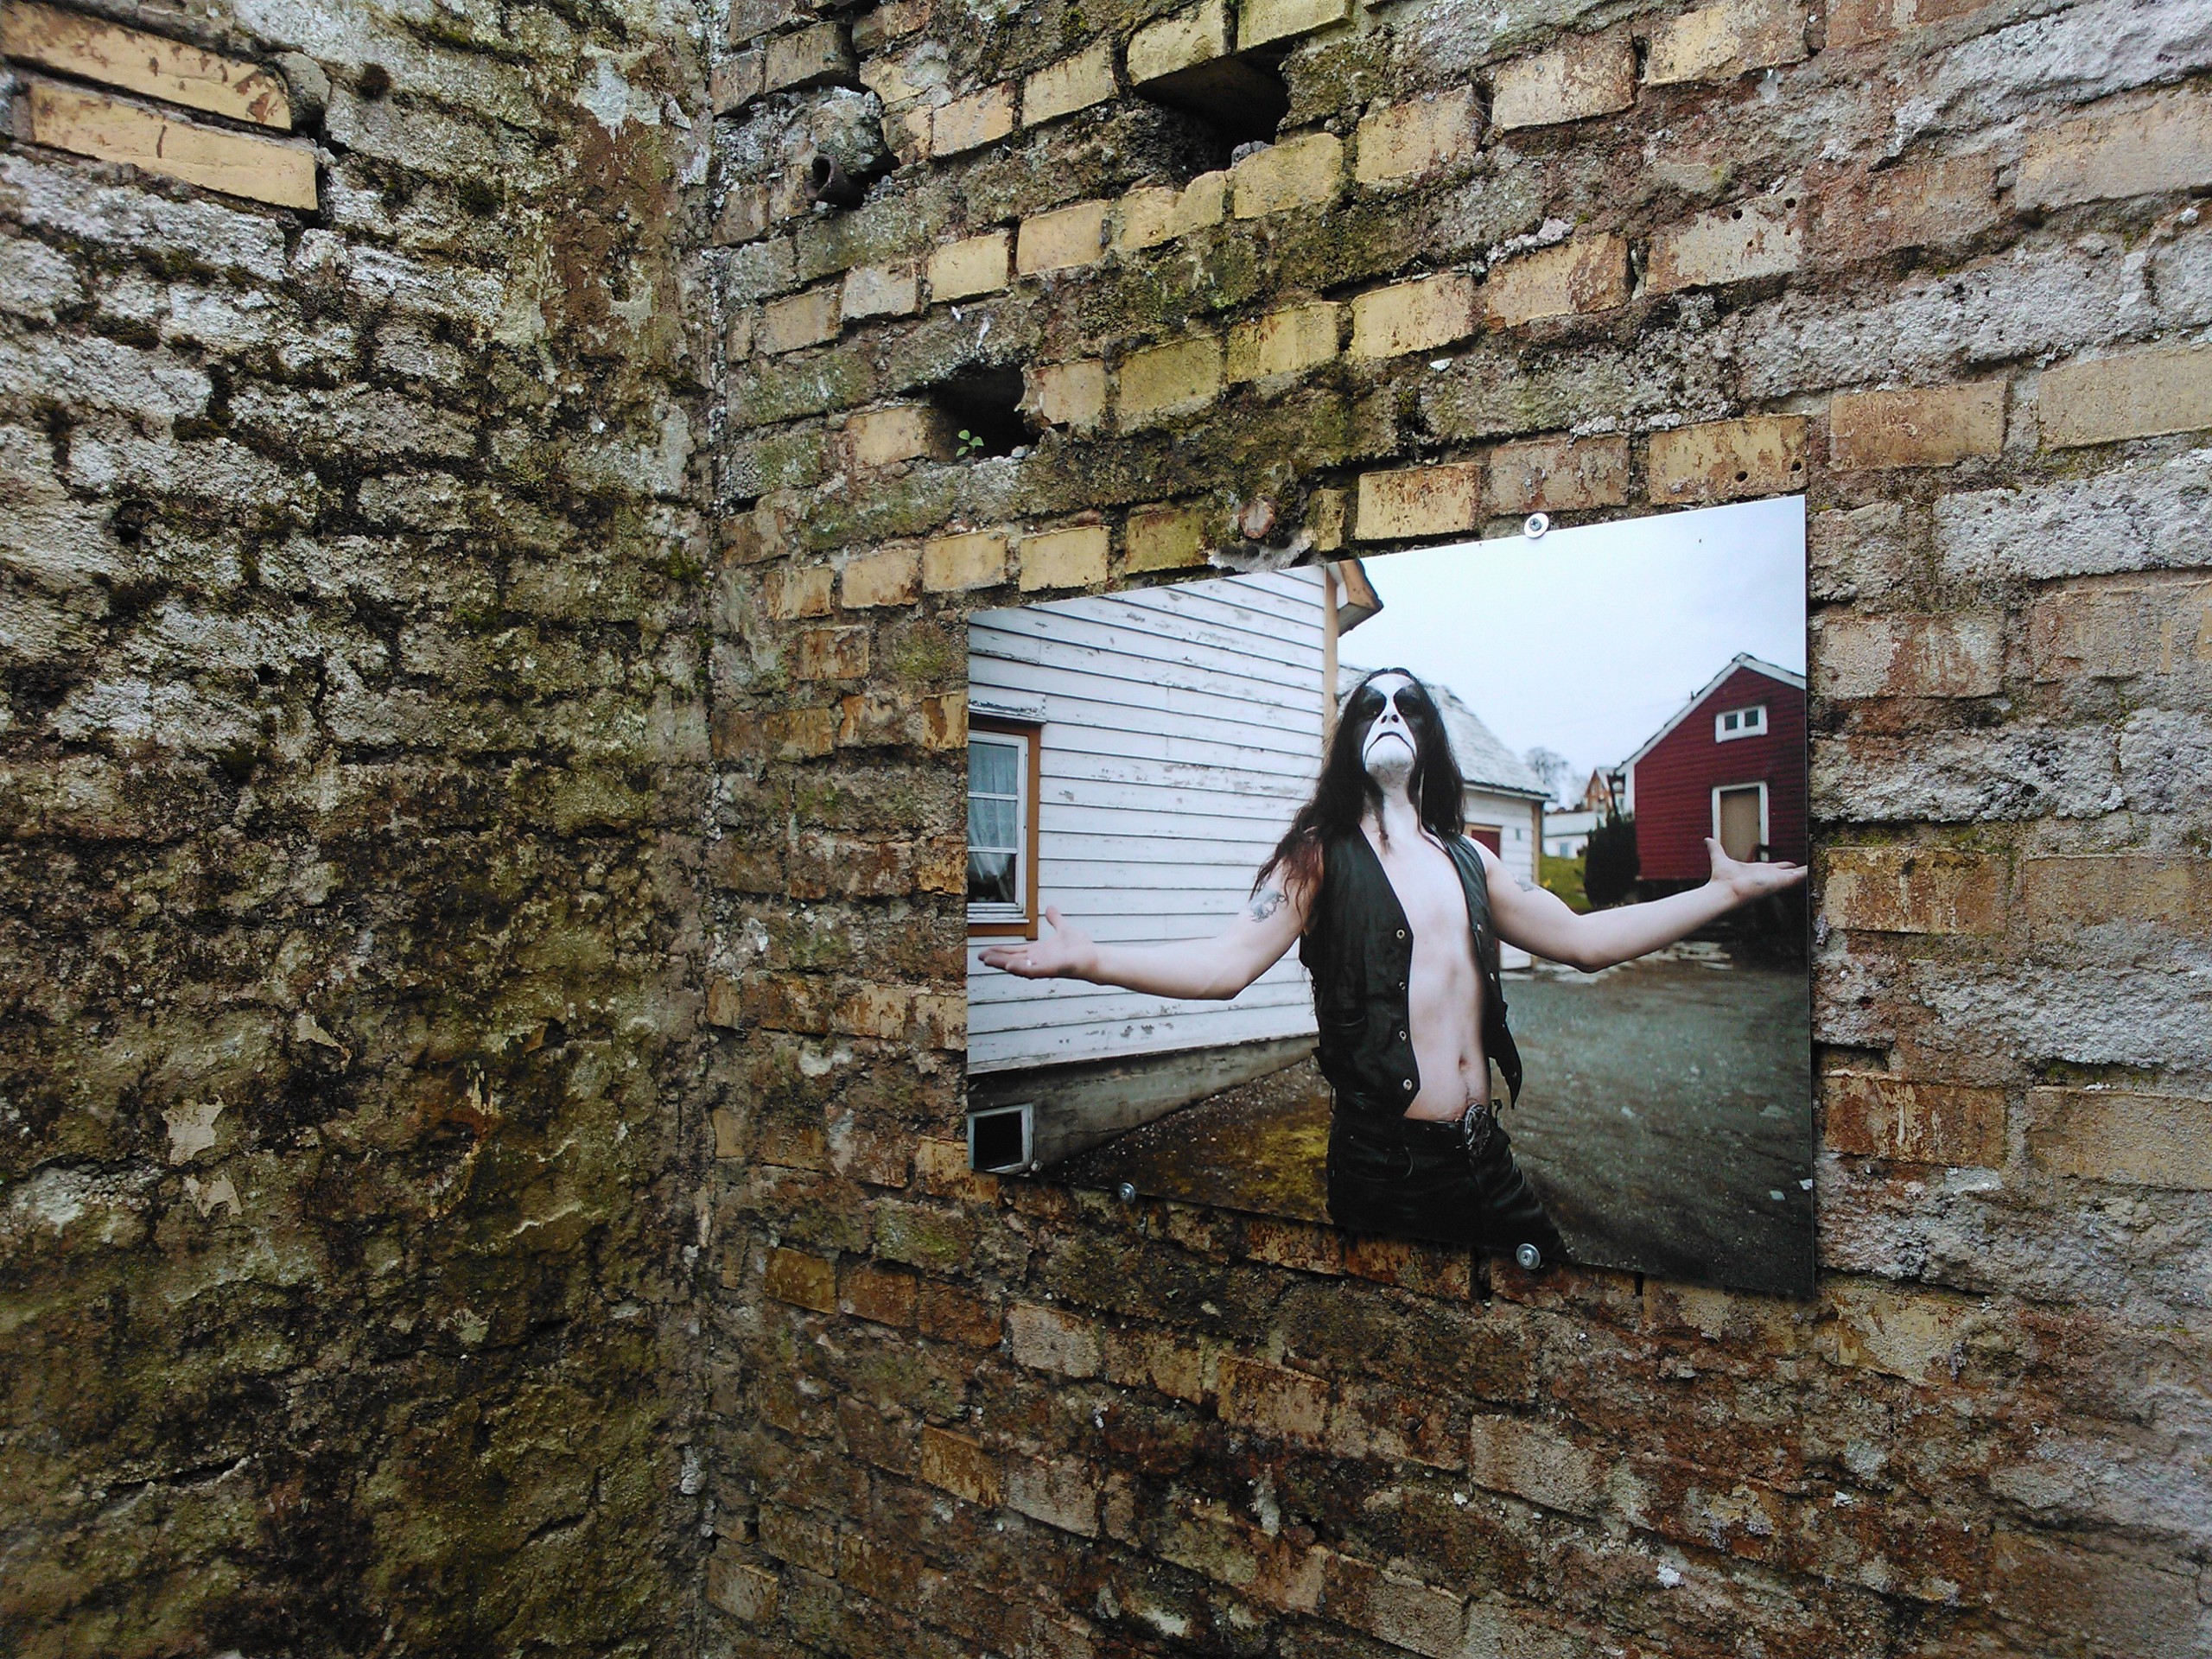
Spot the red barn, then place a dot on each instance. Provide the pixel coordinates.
(1731, 765)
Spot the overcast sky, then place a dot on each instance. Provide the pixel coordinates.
(1586, 640)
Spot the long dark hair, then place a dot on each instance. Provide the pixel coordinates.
(1345, 792)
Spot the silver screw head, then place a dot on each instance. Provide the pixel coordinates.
(1529, 1257)
(1127, 1192)
(1538, 522)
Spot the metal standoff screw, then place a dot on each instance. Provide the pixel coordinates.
(1127, 1192)
(1537, 525)
(1529, 1257)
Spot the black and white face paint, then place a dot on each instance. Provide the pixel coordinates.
(1389, 704)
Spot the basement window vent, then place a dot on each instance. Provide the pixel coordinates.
(1220, 105)
(983, 407)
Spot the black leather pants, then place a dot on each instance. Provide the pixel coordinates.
(1406, 1177)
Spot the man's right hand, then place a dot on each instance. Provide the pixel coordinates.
(1067, 953)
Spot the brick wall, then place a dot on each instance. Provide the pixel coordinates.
(351, 757)
(1937, 266)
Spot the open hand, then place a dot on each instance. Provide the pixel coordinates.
(1745, 882)
(1066, 953)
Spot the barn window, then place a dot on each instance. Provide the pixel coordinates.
(1002, 766)
(1740, 723)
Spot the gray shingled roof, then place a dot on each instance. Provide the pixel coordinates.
(1483, 759)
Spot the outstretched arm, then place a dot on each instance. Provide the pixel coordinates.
(1217, 967)
(1540, 922)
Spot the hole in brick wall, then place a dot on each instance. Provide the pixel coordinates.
(1220, 104)
(984, 407)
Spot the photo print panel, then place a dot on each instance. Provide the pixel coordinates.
(1454, 894)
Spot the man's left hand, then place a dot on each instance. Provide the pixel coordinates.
(1745, 882)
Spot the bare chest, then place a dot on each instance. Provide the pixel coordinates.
(1426, 884)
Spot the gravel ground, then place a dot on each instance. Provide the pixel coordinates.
(1667, 1121)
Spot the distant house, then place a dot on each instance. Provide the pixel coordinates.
(1133, 758)
(1503, 801)
(1731, 764)
(1567, 834)
(1597, 795)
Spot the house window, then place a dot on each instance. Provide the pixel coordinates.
(1740, 723)
(1002, 766)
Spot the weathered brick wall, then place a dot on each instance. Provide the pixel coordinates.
(1937, 266)
(350, 762)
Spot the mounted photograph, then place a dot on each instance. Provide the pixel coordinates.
(1452, 894)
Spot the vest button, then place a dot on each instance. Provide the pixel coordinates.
(1401, 1036)
(1401, 932)
(1408, 1085)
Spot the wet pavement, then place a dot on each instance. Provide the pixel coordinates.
(1666, 1122)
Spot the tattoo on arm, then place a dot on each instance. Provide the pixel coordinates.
(1524, 884)
(1264, 905)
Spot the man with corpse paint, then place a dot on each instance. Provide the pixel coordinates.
(1397, 916)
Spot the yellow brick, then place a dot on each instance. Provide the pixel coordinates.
(1559, 474)
(1154, 214)
(738, 80)
(1272, 1399)
(1173, 43)
(1325, 518)
(1728, 461)
(1917, 1335)
(2167, 894)
(881, 437)
(804, 1280)
(799, 319)
(1928, 204)
(882, 291)
(1589, 275)
(1761, 237)
(1581, 77)
(1161, 379)
(960, 1467)
(1063, 239)
(1415, 316)
(1296, 173)
(234, 163)
(1070, 394)
(1913, 890)
(1873, 1115)
(744, 215)
(2135, 395)
(801, 590)
(2117, 630)
(885, 578)
(2126, 146)
(1932, 427)
(1401, 141)
(1072, 84)
(979, 119)
(831, 654)
(908, 133)
(816, 54)
(1889, 654)
(2136, 1140)
(743, 1592)
(1164, 537)
(1420, 501)
(977, 265)
(1718, 42)
(1283, 342)
(951, 563)
(153, 65)
(1064, 558)
(1262, 21)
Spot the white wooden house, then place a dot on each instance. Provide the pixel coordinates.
(1144, 752)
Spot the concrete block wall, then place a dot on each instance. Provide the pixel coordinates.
(351, 755)
(1941, 269)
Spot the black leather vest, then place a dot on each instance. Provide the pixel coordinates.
(1359, 949)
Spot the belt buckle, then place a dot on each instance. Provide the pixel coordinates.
(1474, 1126)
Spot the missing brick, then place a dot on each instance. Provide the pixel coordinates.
(983, 408)
(1219, 106)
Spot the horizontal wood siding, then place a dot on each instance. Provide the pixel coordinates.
(1674, 784)
(1182, 730)
(1508, 814)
